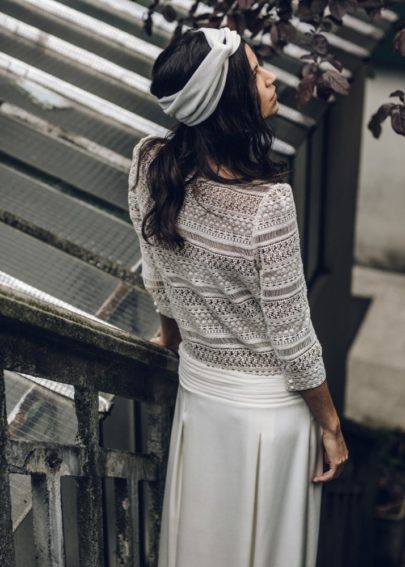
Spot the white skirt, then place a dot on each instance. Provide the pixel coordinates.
(238, 491)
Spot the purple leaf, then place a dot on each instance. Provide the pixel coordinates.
(323, 91)
(321, 44)
(331, 59)
(237, 22)
(194, 7)
(326, 24)
(274, 34)
(245, 4)
(304, 13)
(305, 89)
(385, 110)
(205, 17)
(398, 120)
(337, 9)
(399, 42)
(213, 21)
(309, 69)
(373, 13)
(318, 6)
(286, 31)
(335, 81)
(400, 94)
(310, 56)
(220, 7)
(284, 10)
(253, 22)
(374, 124)
(148, 23)
(169, 13)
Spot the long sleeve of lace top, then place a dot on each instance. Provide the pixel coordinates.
(283, 290)
(151, 276)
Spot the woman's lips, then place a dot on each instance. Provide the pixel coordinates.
(274, 96)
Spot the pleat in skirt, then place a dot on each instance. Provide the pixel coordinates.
(238, 490)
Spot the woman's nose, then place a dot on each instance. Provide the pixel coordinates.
(271, 77)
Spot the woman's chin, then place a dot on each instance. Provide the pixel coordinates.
(273, 110)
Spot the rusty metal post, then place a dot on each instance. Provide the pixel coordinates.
(7, 554)
(159, 420)
(90, 507)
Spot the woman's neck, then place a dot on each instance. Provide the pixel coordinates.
(221, 171)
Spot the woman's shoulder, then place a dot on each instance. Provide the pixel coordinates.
(146, 148)
(277, 190)
(142, 154)
(276, 196)
(276, 207)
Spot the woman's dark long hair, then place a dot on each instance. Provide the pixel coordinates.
(235, 136)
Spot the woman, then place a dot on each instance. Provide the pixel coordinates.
(221, 258)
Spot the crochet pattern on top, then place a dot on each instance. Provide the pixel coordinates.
(237, 289)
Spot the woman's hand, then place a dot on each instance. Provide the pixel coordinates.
(336, 455)
(322, 408)
(159, 341)
(169, 334)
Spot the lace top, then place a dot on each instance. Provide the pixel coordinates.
(237, 289)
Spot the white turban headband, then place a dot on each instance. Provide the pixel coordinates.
(201, 94)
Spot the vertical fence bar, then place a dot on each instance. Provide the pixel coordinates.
(124, 511)
(133, 488)
(89, 486)
(7, 553)
(159, 420)
(47, 519)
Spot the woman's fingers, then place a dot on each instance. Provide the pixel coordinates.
(332, 473)
(159, 341)
(335, 456)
